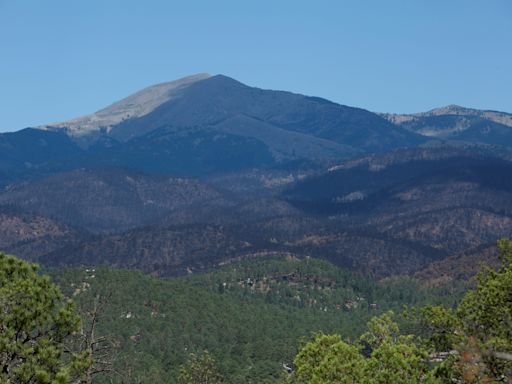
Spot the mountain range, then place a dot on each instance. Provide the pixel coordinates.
(458, 123)
(195, 173)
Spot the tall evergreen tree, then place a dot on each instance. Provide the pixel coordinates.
(35, 322)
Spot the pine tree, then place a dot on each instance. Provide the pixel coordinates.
(35, 322)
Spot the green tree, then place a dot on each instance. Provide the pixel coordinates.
(328, 359)
(402, 361)
(200, 369)
(394, 358)
(485, 319)
(381, 329)
(35, 322)
(478, 333)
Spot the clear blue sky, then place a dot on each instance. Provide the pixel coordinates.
(64, 58)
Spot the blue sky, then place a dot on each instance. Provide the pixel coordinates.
(61, 59)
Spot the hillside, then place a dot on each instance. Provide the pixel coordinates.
(31, 152)
(383, 215)
(249, 315)
(34, 236)
(109, 200)
(438, 203)
(462, 267)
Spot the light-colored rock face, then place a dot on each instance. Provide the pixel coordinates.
(133, 106)
(496, 116)
(453, 110)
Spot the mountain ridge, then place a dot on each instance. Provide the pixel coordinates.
(202, 125)
(454, 122)
(453, 109)
(134, 105)
(203, 100)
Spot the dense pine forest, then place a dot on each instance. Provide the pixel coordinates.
(279, 319)
(251, 315)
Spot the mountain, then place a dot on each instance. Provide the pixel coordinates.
(201, 125)
(222, 104)
(382, 215)
(133, 106)
(237, 192)
(32, 152)
(226, 105)
(458, 123)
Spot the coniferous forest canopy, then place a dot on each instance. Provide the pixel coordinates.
(276, 320)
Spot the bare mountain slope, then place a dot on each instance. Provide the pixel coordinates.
(139, 104)
(459, 123)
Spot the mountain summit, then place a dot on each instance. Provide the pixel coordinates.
(454, 122)
(284, 122)
(139, 104)
(203, 124)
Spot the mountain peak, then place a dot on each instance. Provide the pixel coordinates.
(136, 105)
(222, 81)
(451, 109)
(282, 125)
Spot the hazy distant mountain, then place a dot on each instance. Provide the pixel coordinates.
(222, 104)
(32, 152)
(201, 125)
(226, 105)
(205, 169)
(459, 123)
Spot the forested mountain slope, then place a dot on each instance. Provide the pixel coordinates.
(250, 315)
